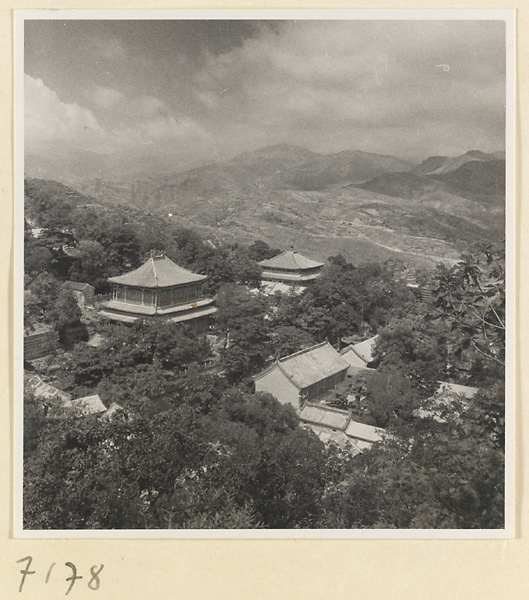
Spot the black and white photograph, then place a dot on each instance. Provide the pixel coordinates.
(265, 274)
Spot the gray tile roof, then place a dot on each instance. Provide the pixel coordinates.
(290, 259)
(324, 416)
(309, 366)
(364, 432)
(157, 272)
(365, 349)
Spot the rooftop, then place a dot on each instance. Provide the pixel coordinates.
(324, 416)
(355, 360)
(43, 390)
(448, 402)
(293, 276)
(149, 310)
(158, 272)
(455, 388)
(87, 405)
(306, 367)
(78, 286)
(360, 431)
(114, 308)
(290, 259)
(112, 410)
(96, 340)
(365, 349)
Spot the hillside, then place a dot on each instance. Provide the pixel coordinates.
(438, 165)
(481, 181)
(342, 168)
(366, 206)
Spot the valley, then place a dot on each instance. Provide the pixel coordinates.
(362, 205)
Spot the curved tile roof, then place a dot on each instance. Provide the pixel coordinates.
(157, 272)
(365, 349)
(353, 358)
(311, 365)
(290, 259)
(325, 416)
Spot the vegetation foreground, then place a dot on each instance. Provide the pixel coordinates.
(195, 447)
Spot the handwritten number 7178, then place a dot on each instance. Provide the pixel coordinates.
(93, 583)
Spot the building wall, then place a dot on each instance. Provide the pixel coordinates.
(179, 295)
(323, 385)
(184, 294)
(277, 383)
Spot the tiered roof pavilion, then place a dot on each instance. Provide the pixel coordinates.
(290, 268)
(159, 288)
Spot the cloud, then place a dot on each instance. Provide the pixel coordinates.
(183, 135)
(147, 107)
(104, 97)
(144, 121)
(48, 120)
(407, 88)
(317, 81)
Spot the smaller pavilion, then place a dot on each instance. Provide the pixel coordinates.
(159, 288)
(289, 269)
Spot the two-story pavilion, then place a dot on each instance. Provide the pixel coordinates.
(160, 288)
(290, 269)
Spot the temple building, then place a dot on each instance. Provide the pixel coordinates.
(360, 355)
(289, 270)
(159, 288)
(304, 375)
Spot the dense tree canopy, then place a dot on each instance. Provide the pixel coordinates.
(194, 447)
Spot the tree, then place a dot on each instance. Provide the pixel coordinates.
(287, 339)
(260, 250)
(469, 298)
(37, 258)
(90, 265)
(245, 270)
(122, 247)
(415, 349)
(65, 314)
(390, 396)
(242, 317)
(218, 269)
(242, 463)
(428, 475)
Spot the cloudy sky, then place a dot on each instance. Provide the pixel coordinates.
(204, 90)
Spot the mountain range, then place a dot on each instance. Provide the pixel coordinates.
(366, 206)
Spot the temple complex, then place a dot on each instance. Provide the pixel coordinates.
(159, 288)
(287, 270)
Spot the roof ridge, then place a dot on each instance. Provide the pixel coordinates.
(154, 271)
(295, 255)
(292, 256)
(266, 371)
(302, 351)
(359, 356)
(328, 408)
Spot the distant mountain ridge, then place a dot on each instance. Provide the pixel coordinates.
(365, 205)
(438, 165)
(476, 180)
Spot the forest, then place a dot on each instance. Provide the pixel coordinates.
(193, 446)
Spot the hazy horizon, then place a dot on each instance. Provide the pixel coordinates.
(195, 92)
